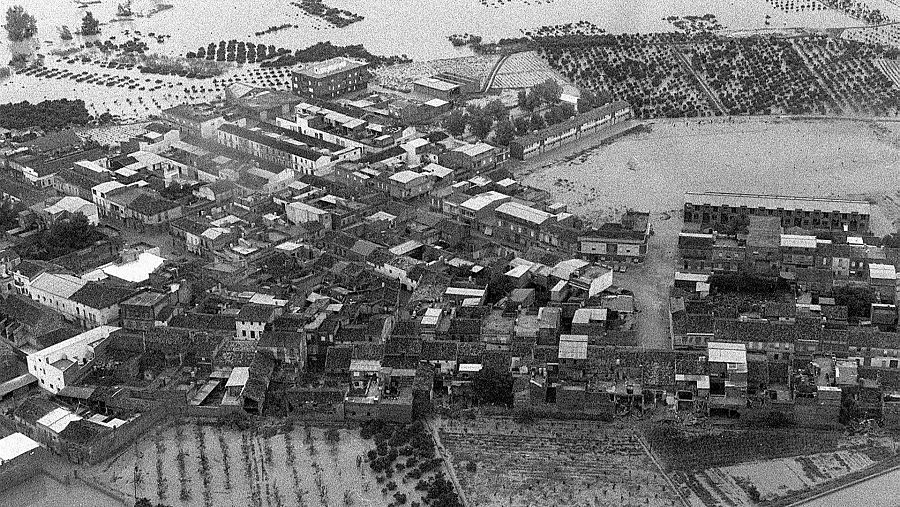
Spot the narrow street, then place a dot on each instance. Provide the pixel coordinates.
(650, 282)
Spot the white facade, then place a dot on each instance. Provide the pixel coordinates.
(56, 364)
(54, 290)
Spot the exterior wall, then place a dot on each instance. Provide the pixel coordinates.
(245, 330)
(523, 149)
(704, 216)
(330, 86)
(22, 467)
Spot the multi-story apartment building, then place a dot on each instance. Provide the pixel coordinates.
(722, 210)
(331, 78)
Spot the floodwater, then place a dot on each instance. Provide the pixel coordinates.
(882, 491)
(45, 491)
(416, 28)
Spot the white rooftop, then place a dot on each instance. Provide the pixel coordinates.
(15, 445)
(460, 291)
(480, 201)
(882, 271)
(518, 271)
(60, 285)
(405, 247)
(527, 213)
(437, 170)
(417, 142)
(106, 186)
(406, 176)
(724, 352)
(138, 270)
(58, 419)
(473, 150)
(70, 204)
(239, 377)
(586, 315)
(436, 84)
(798, 241)
(573, 346)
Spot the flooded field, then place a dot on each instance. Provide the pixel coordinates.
(45, 491)
(179, 26)
(651, 171)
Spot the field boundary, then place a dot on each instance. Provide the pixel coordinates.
(448, 462)
(665, 475)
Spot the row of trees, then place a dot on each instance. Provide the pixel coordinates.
(493, 117)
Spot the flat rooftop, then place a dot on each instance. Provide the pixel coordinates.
(787, 202)
(330, 67)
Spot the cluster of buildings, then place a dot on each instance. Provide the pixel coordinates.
(315, 253)
(806, 293)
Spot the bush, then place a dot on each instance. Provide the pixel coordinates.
(471, 467)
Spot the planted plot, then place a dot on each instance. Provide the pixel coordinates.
(500, 462)
(195, 465)
(647, 75)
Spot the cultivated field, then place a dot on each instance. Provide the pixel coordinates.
(400, 77)
(651, 171)
(502, 463)
(702, 75)
(634, 68)
(742, 468)
(192, 465)
(524, 70)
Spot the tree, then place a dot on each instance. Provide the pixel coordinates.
(9, 214)
(537, 122)
(496, 109)
(523, 98)
(89, 24)
(521, 124)
(480, 123)
(504, 133)
(63, 237)
(891, 240)
(65, 33)
(858, 300)
(19, 24)
(493, 387)
(455, 123)
(549, 91)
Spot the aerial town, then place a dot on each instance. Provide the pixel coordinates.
(493, 263)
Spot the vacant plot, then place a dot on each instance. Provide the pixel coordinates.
(500, 462)
(651, 170)
(192, 465)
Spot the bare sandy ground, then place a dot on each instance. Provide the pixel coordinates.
(652, 170)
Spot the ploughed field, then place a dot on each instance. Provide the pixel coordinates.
(501, 462)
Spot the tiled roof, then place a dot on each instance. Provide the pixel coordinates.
(101, 295)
